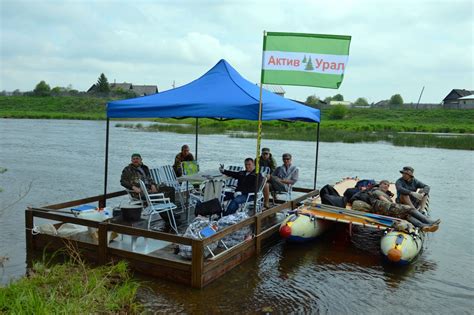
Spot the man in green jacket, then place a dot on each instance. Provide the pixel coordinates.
(135, 171)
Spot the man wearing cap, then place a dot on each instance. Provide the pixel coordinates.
(135, 171)
(182, 156)
(281, 178)
(267, 160)
(407, 185)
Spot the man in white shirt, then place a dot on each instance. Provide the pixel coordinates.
(283, 176)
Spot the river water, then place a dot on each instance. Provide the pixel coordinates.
(54, 161)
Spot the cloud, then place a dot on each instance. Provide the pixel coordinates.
(397, 46)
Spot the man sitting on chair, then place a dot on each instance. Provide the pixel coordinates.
(281, 178)
(135, 171)
(245, 184)
(182, 156)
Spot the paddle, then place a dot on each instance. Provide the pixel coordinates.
(370, 217)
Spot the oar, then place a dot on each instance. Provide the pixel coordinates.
(374, 218)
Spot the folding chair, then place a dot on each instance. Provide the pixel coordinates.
(231, 183)
(249, 202)
(265, 170)
(190, 167)
(209, 231)
(157, 203)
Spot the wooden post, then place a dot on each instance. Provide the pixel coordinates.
(197, 263)
(102, 248)
(258, 230)
(28, 228)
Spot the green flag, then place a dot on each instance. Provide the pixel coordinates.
(305, 59)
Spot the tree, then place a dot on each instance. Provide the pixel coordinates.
(17, 92)
(396, 100)
(56, 91)
(361, 101)
(328, 99)
(309, 65)
(312, 100)
(42, 89)
(338, 97)
(103, 84)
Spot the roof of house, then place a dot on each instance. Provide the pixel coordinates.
(124, 86)
(145, 89)
(459, 93)
(467, 97)
(277, 89)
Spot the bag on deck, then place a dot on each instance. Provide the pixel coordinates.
(209, 207)
(330, 196)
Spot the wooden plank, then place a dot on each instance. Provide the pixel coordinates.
(197, 264)
(59, 217)
(158, 271)
(102, 252)
(219, 260)
(269, 232)
(258, 230)
(28, 228)
(228, 230)
(77, 202)
(179, 265)
(301, 189)
(149, 234)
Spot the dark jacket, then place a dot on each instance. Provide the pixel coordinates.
(131, 175)
(245, 183)
(404, 187)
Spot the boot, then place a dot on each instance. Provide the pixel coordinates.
(423, 218)
(423, 226)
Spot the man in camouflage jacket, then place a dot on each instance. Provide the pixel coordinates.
(135, 171)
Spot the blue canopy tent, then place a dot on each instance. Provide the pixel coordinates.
(220, 93)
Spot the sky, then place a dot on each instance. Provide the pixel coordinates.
(397, 46)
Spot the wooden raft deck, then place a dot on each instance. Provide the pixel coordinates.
(160, 260)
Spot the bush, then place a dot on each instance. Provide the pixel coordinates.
(338, 112)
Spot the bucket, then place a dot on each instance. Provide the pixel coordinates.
(131, 212)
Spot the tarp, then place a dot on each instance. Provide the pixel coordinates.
(220, 93)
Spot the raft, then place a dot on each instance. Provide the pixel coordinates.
(313, 218)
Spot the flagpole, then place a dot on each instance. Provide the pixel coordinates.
(259, 130)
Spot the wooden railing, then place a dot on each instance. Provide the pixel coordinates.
(198, 267)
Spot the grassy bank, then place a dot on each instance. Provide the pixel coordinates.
(359, 125)
(65, 107)
(71, 288)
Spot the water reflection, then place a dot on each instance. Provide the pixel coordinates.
(337, 274)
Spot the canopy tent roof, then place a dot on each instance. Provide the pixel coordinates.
(220, 93)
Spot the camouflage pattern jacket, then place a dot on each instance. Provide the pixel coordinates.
(131, 175)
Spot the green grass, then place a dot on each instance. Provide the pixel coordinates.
(71, 288)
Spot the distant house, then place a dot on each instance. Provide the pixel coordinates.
(455, 94)
(345, 103)
(143, 90)
(277, 89)
(139, 90)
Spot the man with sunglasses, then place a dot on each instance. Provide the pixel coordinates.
(267, 160)
(280, 180)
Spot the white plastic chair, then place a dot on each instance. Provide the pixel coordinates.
(157, 203)
(231, 183)
(249, 202)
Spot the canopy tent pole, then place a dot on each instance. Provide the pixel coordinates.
(197, 135)
(259, 132)
(317, 153)
(106, 160)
